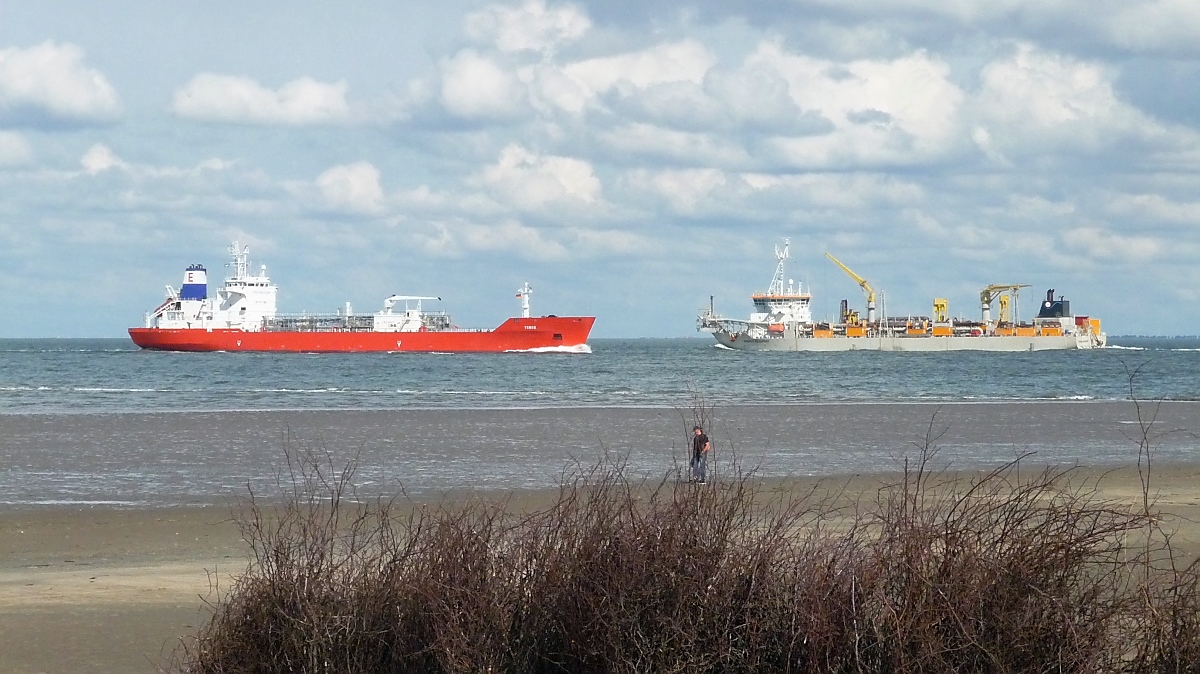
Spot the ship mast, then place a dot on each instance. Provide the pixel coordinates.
(241, 260)
(523, 292)
(776, 287)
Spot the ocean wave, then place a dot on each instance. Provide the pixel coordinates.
(327, 389)
(494, 393)
(105, 389)
(1131, 348)
(75, 501)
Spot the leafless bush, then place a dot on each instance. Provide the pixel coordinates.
(1003, 571)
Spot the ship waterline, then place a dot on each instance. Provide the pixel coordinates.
(515, 334)
(799, 341)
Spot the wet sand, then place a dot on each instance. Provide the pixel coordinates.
(104, 590)
(195, 458)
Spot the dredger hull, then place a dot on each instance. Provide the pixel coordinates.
(917, 343)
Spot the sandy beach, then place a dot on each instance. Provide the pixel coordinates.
(104, 590)
(109, 590)
(115, 528)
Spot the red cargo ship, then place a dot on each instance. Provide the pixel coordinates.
(242, 317)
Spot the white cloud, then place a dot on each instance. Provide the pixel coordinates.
(99, 159)
(1103, 245)
(902, 111)
(686, 190)
(756, 96)
(843, 191)
(423, 198)
(1038, 101)
(1152, 25)
(1156, 207)
(50, 82)
(14, 149)
(683, 61)
(476, 87)
(706, 149)
(1038, 209)
(240, 100)
(708, 192)
(532, 181)
(354, 187)
(529, 27)
(511, 236)
(1138, 25)
(551, 89)
(589, 241)
(1047, 90)
(456, 237)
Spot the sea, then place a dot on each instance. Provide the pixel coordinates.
(99, 422)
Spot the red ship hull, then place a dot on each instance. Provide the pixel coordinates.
(515, 334)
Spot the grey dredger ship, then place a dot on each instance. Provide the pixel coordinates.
(782, 321)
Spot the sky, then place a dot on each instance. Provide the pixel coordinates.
(629, 159)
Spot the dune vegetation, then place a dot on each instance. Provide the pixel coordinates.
(1009, 570)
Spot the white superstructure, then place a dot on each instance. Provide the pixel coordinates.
(774, 310)
(247, 302)
(241, 303)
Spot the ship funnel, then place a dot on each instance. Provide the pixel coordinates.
(195, 283)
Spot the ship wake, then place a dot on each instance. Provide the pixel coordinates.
(578, 348)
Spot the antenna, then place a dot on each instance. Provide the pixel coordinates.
(523, 293)
(776, 287)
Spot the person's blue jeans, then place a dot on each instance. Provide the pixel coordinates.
(699, 468)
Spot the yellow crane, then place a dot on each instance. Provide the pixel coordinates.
(990, 293)
(941, 310)
(862, 283)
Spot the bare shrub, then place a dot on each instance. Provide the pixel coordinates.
(1002, 571)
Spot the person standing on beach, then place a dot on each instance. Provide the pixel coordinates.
(700, 447)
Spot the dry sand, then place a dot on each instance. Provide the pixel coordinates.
(101, 590)
(104, 590)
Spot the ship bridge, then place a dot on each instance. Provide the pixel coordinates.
(782, 303)
(782, 308)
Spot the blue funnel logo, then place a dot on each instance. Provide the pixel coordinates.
(195, 283)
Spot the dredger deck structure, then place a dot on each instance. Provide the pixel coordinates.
(782, 321)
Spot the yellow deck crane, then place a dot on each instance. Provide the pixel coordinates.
(990, 293)
(862, 283)
(941, 310)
